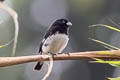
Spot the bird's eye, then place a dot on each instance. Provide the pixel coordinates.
(63, 21)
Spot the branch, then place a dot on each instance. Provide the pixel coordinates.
(111, 54)
(15, 18)
(50, 66)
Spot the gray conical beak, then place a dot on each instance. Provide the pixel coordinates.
(69, 23)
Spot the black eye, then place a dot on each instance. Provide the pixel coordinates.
(63, 21)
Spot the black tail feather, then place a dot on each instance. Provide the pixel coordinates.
(38, 66)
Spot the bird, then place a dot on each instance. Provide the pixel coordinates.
(55, 39)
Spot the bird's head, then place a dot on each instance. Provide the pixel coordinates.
(63, 23)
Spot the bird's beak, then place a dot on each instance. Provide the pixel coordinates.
(69, 23)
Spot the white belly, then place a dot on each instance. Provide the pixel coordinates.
(55, 44)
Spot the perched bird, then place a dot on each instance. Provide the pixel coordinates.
(55, 39)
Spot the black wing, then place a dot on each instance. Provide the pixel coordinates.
(48, 33)
(40, 49)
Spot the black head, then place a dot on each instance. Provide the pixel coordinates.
(62, 23)
(59, 26)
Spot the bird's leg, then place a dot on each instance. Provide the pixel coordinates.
(52, 54)
(65, 53)
(68, 53)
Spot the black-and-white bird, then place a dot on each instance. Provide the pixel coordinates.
(55, 39)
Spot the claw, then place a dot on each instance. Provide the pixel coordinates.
(68, 53)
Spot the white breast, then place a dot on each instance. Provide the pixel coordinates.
(55, 43)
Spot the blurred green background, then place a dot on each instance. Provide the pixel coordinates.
(35, 16)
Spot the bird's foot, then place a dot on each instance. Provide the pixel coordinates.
(68, 53)
(52, 55)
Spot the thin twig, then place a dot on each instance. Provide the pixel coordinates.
(110, 54)
(15, 18)
(49, 69)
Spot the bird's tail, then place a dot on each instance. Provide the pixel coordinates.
(38, 66)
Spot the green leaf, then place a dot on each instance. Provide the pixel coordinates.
(118, 78)
(105, 44)
(1, 46)
(113, 63)
(104, 52)
(107, 26)
(108, 46)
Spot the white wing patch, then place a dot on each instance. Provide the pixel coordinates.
(55, 43)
